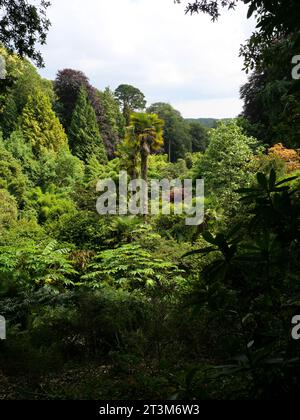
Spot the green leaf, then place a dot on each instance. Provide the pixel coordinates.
(262, 180)
(272, 179)
(251, 10)
(284, 181)
(200, 251)
(209, 238)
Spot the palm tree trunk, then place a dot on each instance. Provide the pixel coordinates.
(133, 169)
(144, 166)
(145, 152)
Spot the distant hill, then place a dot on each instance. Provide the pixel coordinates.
(207, 122)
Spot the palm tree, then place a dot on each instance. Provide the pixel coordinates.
(146, 131)
(127, 151)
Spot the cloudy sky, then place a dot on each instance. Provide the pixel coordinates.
(187, 61)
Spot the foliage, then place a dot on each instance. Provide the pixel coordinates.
(161, 168)
(49, 205)
(27, 84)
(23, 25)
(9, 115)
(82, 228)
(21, 81)
(265, 162)
(8, 209)
(11, 175)
(226, 164)
(205, 122)
(212, 8)
(62, 169)
(144, 136)
(124, 307)
(174, 227)
(271, 98)
(22, 152)
(289, 156)
(84, 135)
(200, 138)
(36, 265)
(25, 230)
(130, 99)
(177, 137)
(113, 124)
(130, 267)
(68, 85)
(40, 125)
(94, 170)
(256, 302)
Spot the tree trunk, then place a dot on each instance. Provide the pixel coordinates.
(145, 152)
(133, 169)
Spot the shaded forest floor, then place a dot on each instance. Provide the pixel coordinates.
(92, 381)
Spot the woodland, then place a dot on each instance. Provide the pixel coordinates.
(134, 308)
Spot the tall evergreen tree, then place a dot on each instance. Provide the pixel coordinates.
(113, 123)
(67, 88)
(84, 135)
(101, 103)
(40, 125)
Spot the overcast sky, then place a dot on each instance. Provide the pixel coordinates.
(185, 60)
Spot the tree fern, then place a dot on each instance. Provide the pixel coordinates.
(130, 267)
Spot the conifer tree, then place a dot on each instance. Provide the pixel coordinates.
(113, 123)
(84, 135)
(40, 125)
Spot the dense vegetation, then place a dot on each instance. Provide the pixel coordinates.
(127, 307)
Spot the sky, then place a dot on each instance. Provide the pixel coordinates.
(187, 61)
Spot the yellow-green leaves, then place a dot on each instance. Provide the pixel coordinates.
(40, 125)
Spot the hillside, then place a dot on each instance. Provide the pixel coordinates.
(207, 122)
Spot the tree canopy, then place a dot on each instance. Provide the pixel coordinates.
(130, 99)
(145, 134)
(23, 26)
(111, 125)
(177, 136)
(41, 126)
(84, 135)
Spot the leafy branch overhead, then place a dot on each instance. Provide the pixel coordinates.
(211, 8)
(272, 15)
(23, 26)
